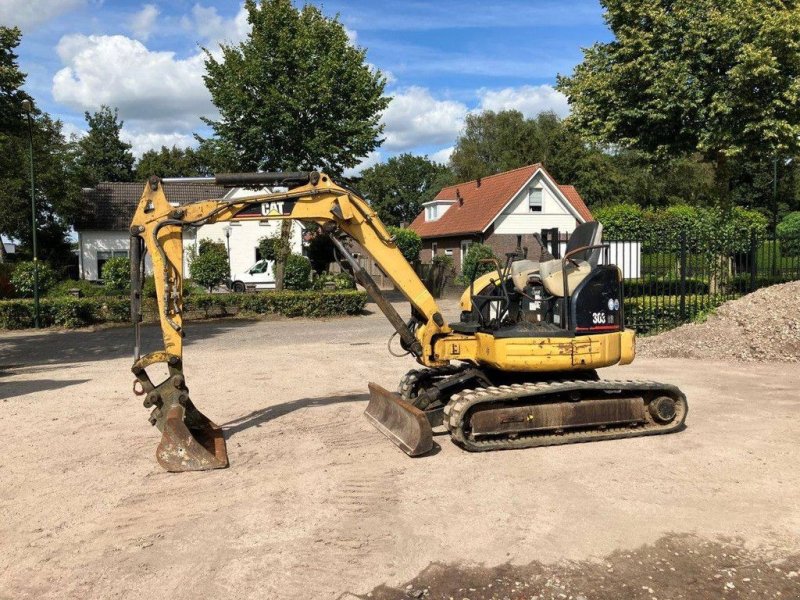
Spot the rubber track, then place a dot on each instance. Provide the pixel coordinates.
(462, 402)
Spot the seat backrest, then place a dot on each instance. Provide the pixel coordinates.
(586, 234)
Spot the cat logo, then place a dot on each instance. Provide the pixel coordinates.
(271, 209)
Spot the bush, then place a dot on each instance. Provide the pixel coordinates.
(337, 281)
(23, 278)
(82, 312)
(471, 262)
(209, 267)
(788, 231)
(664, 286)
(622, 221)
(408, 242)
(298, 273)
(87, 289)
(116, 276)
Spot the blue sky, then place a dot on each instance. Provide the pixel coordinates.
(443, 59)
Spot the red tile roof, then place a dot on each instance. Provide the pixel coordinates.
(480, 204)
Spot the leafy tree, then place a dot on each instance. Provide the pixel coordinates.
(492, 142)
(397, 188)
(210, 267)
(56, 200)
(116, 275)
(471, 263)
(685, 76)
(23, 278)
(295, 94)
(408, 242)
(298, 273)
(789, 234)
(172, 162)
(102, 155)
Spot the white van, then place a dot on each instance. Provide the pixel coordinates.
(261, 276)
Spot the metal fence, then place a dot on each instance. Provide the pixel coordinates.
(670, 282)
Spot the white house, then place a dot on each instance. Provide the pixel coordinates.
(103, 228)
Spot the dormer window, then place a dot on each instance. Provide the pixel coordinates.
(436, 208)
(535, 197)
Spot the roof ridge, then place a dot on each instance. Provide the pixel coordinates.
(537, 164)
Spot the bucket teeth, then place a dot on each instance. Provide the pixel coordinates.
(190, 442)
(404, 424)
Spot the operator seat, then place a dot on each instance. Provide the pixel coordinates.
(578, 265)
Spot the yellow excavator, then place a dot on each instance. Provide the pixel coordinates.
(517, 370)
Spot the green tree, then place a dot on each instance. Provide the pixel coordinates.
(685, 76)
(295, 94)
(492, 142)
(102, 155)
(408, 242)
(172, 162)
(472, 263)
(397, 188)
(789, 234)
(56, 197)
(210, 267)
(23, 278)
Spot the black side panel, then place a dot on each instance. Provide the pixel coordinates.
(596, 305)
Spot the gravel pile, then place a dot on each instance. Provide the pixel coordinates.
(762, 326)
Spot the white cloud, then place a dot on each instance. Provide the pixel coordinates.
(530, 100)
(212, 28)
(142, 141)
(352, 35)
(141, 23)
(69, 130)
(443, 155)
(27, 14)
(415, 118)
(122, 72)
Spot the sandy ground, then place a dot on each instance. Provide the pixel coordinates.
(317, 504)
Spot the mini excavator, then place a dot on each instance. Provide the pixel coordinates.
(517, 370)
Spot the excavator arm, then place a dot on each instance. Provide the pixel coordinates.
(190, 441)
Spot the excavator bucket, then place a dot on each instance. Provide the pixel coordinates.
(190, 441)
(404, 424)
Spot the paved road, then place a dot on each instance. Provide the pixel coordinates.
(317, 504)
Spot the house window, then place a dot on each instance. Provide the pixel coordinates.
(430, 213)
(434, 248)
(258, 253)
(535, 200)
(519, 241)
(465, 244)
(448, 252)
(104, 255)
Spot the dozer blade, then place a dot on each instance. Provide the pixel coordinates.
(404, 424)
(190, 442)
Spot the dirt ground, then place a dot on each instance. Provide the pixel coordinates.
(318, 504)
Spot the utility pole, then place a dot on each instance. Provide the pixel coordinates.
(27, 106)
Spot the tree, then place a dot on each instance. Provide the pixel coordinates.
(56, 197)
(471, 263)
(492, 142)
(171, 162)
(210, 267)
(685, 76)
(397, 188)
(408, 242)
(102, 155)
(295, 94)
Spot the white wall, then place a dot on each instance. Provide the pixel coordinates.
(516, 218)
(244, 237)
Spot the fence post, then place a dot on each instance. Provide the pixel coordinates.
(753, 261)
(683, 276)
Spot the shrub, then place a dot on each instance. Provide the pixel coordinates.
(298, 273)
(116, 276)
(471, 263)
(87, 289)
(23, 278)
(336, 281)
(651, 314)
(210, 267)
(788, 231)
(81, 312)
(408, 242)
(622, 221)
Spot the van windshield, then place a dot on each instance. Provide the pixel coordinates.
(259, 267)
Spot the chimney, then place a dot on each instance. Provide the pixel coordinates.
(458, 196)
(478, 182)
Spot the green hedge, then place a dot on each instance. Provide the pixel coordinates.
(663, 286)
(82, 312)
